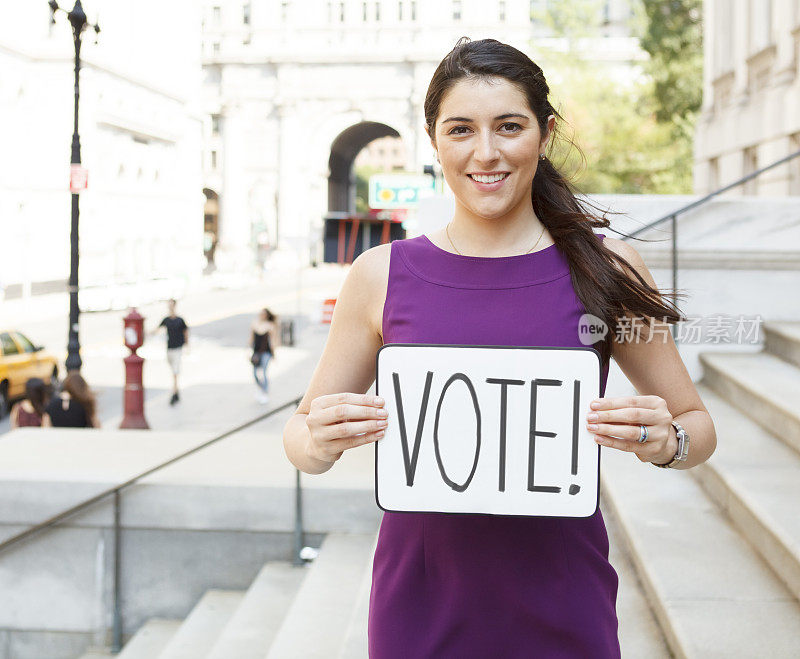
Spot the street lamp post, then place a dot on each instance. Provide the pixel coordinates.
(79, 22)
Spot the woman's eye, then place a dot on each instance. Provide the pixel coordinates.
(508, 127)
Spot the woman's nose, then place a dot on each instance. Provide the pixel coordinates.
(486, 148)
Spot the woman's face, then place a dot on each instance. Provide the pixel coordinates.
(486, 129)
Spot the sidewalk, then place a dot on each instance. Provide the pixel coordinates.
(218, 390)
(233, 293)
(217, 385)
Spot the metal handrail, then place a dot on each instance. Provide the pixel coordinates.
(673, 217)
(702, 200)
(115, 492)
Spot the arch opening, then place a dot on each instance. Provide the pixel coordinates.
(345, 148)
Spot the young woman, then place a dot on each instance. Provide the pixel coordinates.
(517, 264)
(262, 338)
(74, 407)
(30, 411)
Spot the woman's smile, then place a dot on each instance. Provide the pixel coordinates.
(489, 182)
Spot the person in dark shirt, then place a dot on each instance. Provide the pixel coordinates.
(74, 407)
(177, 337)
(262, 333)
(30, 411)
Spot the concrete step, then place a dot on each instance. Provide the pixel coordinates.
(782, 339)
(203, 625)
(254, 625)
(151, 639)
(755, 479)
(763, 386)
(639, 634)
(95, 653)
(317, 622)
(712, 594)
(355, 642)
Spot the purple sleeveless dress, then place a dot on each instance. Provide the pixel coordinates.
(484, 586)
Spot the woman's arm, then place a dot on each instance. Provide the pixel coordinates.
(13, 418)
(655, 368)
(335, 411)
(47, 422)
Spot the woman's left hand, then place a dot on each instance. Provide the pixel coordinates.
(617, 426)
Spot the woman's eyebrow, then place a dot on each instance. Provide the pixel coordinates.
(502, 116)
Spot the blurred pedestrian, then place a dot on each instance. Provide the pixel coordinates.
(262, 339)
(177, 337)
(75, 406)
(30, 411)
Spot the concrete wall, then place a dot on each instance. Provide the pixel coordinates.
(207, 522)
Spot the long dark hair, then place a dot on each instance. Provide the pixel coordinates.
(604, 290)
(36, 392)
(79, 390)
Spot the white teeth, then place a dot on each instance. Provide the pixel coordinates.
(488, 179)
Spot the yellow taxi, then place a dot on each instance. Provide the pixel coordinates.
(21, 360)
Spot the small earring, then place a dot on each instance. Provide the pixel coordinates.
(542, 156)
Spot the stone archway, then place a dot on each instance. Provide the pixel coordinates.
(341, 185)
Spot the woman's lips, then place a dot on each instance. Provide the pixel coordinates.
(489, 187)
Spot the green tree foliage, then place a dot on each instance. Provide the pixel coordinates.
(362, 186)
(631, 141)
(673, 38)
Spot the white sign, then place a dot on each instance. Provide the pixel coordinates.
(399, 190)
(78, 178)
(487, 429)
(131, 337)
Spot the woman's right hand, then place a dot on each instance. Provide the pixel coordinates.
(337, 422)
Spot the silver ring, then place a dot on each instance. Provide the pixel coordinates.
(642, 434)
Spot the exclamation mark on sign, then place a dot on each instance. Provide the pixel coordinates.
(574, 488)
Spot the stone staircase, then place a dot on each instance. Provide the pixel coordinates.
(708, 559)
(317, 610)
(717, 547)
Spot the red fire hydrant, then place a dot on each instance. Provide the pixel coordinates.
(134, 390)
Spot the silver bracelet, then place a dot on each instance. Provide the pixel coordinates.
(683, 447)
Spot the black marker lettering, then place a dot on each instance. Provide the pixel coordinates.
(576, 396)
(503, 410)
(410, 463)
(538, 433)
(453, 485)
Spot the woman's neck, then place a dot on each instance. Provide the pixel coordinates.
(514, 233)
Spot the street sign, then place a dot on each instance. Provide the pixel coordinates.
(78, 178)
(399, 190)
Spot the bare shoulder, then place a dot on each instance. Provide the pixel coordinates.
(631, 255)
(624, 249)
(370, 271)
(373, 263)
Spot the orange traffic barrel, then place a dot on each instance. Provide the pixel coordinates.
(327, 309)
